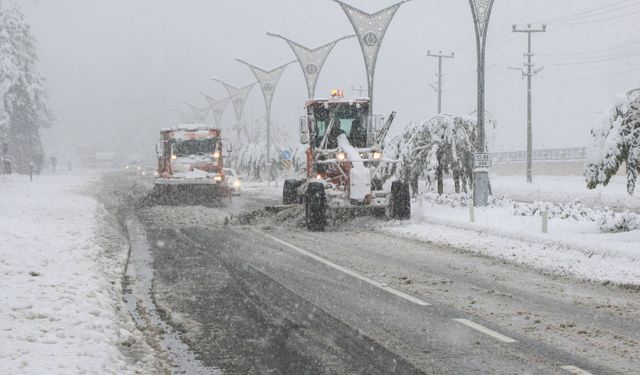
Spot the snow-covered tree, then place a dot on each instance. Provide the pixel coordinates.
(441, 145)
(24, 109)
(615, 142)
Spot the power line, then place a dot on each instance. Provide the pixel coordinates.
(598, 20)
(596, 61)
(586, 13)
(595, 57)
(580, 54)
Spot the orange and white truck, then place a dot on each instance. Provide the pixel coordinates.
(191, 165)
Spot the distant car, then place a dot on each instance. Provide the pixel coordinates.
(133, 167)
(148, 171)
(233, 180)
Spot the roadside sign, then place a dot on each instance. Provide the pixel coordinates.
(482, 160)
(286, 154)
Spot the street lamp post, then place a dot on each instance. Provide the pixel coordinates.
(370, 29)
(481, 11)
(311, 60)
(198, 114)
(217, 108)
(238, 97)
(268, 81)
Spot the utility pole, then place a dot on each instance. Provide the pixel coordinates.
(438, 89)
(529, 73)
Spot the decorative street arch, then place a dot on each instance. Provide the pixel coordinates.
(311, 60)
(238, 97)
(370, 29)
(268, 80)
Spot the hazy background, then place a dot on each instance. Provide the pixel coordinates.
(117, 68)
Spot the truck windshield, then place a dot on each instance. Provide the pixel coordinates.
(352, 122)
(195, 146)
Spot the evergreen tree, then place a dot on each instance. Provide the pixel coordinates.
(24, 108)
(615, 142)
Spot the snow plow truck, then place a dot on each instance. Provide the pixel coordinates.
(190, 166)
(344, 154)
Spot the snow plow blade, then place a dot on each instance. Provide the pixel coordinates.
(278, 208)
(210, 195)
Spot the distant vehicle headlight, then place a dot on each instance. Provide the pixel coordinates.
(139, 167)
(341, 156)
(174, 156)
(216, 155)
(236, 183)
(127, 167)
(377, 155)
(217, 178)
(144, 173)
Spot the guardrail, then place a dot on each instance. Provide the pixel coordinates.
(575, 153)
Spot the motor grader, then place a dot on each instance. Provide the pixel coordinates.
(344, 154)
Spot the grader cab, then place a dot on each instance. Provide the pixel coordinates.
(344, 154)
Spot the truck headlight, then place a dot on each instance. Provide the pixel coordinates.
(217, 178)
(341, 156)
(377, 155)
(236, 183)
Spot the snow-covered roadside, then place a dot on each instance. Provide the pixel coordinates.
(61, 308)
(572, 247)
(559, 189)
(565, 189)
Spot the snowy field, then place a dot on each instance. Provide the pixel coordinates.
(61, 299)
(574, 246)
(566, 189)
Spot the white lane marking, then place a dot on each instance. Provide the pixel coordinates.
(347, 271)
(486, 330)
(575, 370)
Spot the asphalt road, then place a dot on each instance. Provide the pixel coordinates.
(270, 298)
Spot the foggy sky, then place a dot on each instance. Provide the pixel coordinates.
(116, 68)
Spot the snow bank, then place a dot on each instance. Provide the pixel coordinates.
(60, 295)
(572, 247)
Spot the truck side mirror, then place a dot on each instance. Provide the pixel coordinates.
(304, 130)
(160, 149)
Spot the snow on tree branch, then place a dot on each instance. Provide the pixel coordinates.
(444, 144)
(616, 141)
